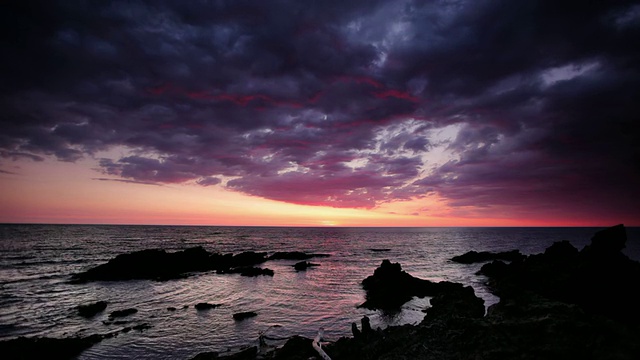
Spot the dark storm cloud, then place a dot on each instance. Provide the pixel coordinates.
(309, 102)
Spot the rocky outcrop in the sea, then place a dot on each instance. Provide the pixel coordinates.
(304, 265)
(206, 306)
(244, 315)
(157, 264)
(90, 310)
(122, 313)
(390, 287)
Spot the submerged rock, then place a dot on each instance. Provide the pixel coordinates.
(90, 310)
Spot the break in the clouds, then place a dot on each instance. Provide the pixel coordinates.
(525, 104)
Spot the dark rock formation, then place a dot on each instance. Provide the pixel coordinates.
(475, 257)
(156, 264)
(389, 287)
(379, 249)
(46, 348)
(249, 271)
(90, 310)
(599, 278)
(304, 265)
(206, 306)
(122, 313)
(244, 315)
(294, 255)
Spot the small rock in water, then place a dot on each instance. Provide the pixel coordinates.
(123, 313)
(244, 315)
(90, 310)
(304, 265)
(206, 306)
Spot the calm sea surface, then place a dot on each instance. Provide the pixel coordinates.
(36, 262)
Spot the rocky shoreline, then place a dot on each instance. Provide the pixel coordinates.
(563, 303)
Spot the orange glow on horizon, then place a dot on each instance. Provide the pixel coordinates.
(66, 193)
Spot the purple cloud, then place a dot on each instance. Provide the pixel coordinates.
(342, 104)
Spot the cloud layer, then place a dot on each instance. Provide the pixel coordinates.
(337, 103)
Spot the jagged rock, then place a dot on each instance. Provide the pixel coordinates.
(244, 315)
(471, 257)
(122, 313)
(458, 301)
(206, 306)
(389, 287)
(600, 278)
(90, 310)
(304, 265)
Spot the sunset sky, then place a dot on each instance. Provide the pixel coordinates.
(320, 113)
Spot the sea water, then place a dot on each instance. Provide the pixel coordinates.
(37, 299)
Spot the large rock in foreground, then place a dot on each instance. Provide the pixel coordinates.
(390, 287)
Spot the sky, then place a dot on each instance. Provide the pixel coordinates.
(320, 113)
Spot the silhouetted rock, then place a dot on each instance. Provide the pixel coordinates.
(206, 306)
(46, 348)
(248, 258)
(244, 315)
(122, 313)
(156, 264)
(294, 255)
(250, 271)
(389, 287)
(474, 256)
(304, 265)
(599, 278)
(152, 264)
(90, 310)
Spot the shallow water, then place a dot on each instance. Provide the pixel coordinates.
(36, 299)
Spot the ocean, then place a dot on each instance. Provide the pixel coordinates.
(37, 299)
